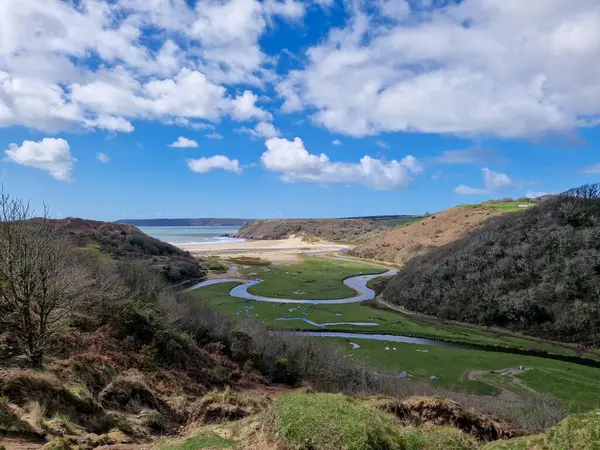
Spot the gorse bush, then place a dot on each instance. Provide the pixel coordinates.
(536, 271)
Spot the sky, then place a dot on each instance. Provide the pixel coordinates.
(114, 109)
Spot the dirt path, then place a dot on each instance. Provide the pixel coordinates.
(511, 372)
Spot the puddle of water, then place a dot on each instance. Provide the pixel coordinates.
(354, 345)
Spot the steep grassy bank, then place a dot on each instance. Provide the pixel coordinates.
(402, 244)
(334, 422)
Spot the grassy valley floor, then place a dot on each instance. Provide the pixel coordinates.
(476, 371)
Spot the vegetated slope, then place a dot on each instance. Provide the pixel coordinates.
(127, 243)
(536, 271)
(186, 222)
(401, 244)
(336, 230)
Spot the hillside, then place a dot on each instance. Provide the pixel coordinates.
(537, 271)
(200, 222)
(351, 230)
(399, 245)
(127, 243)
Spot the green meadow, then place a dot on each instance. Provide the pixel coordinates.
(313, 278)
(574, 385)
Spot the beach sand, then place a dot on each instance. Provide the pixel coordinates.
(272, 250)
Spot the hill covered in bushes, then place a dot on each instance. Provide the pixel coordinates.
(351, 230)
(536, 271)
(124, 242)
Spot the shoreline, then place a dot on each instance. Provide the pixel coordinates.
(277, 249)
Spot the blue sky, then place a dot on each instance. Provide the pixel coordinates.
(320, 108)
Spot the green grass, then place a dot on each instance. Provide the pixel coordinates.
(503, 206)
(314, 278)
(573, 385)
(576, 432)
(389, 322)
(206, 440)
(334, 421)
(374, 283)
(94, 253)
(400, 221)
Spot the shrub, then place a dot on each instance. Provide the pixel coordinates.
(130, 393)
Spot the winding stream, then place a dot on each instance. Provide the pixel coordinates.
(358, 283)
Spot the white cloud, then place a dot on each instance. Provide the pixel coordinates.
(213, 136)
(466, 190)
(512, 69)
(336, 142)
(466, 156)
(495, 180)
(49, 154)
(183, 142)
(296, 164)
(102, 157)
(289, 9)
(244, 108)
(205, 165)
(594, 169)
(261, 130)
(102, 64)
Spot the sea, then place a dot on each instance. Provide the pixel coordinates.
(193, 235)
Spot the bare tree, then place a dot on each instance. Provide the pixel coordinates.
(41, 280)
(585, 192)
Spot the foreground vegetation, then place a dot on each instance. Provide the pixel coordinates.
(302, 421)
(536, 271)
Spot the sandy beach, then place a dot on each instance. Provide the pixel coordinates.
(273, 250)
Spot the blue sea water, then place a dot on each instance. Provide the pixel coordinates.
(193, 235)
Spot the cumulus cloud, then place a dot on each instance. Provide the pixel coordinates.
(466, 190)
(244, 108)
(261, 130)
(511, 69)
(295, 164)
(205, 165)
(495, 180)
(183, 142)
(49, 154)
(102, 157)
(336, 142)
(66, 65)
